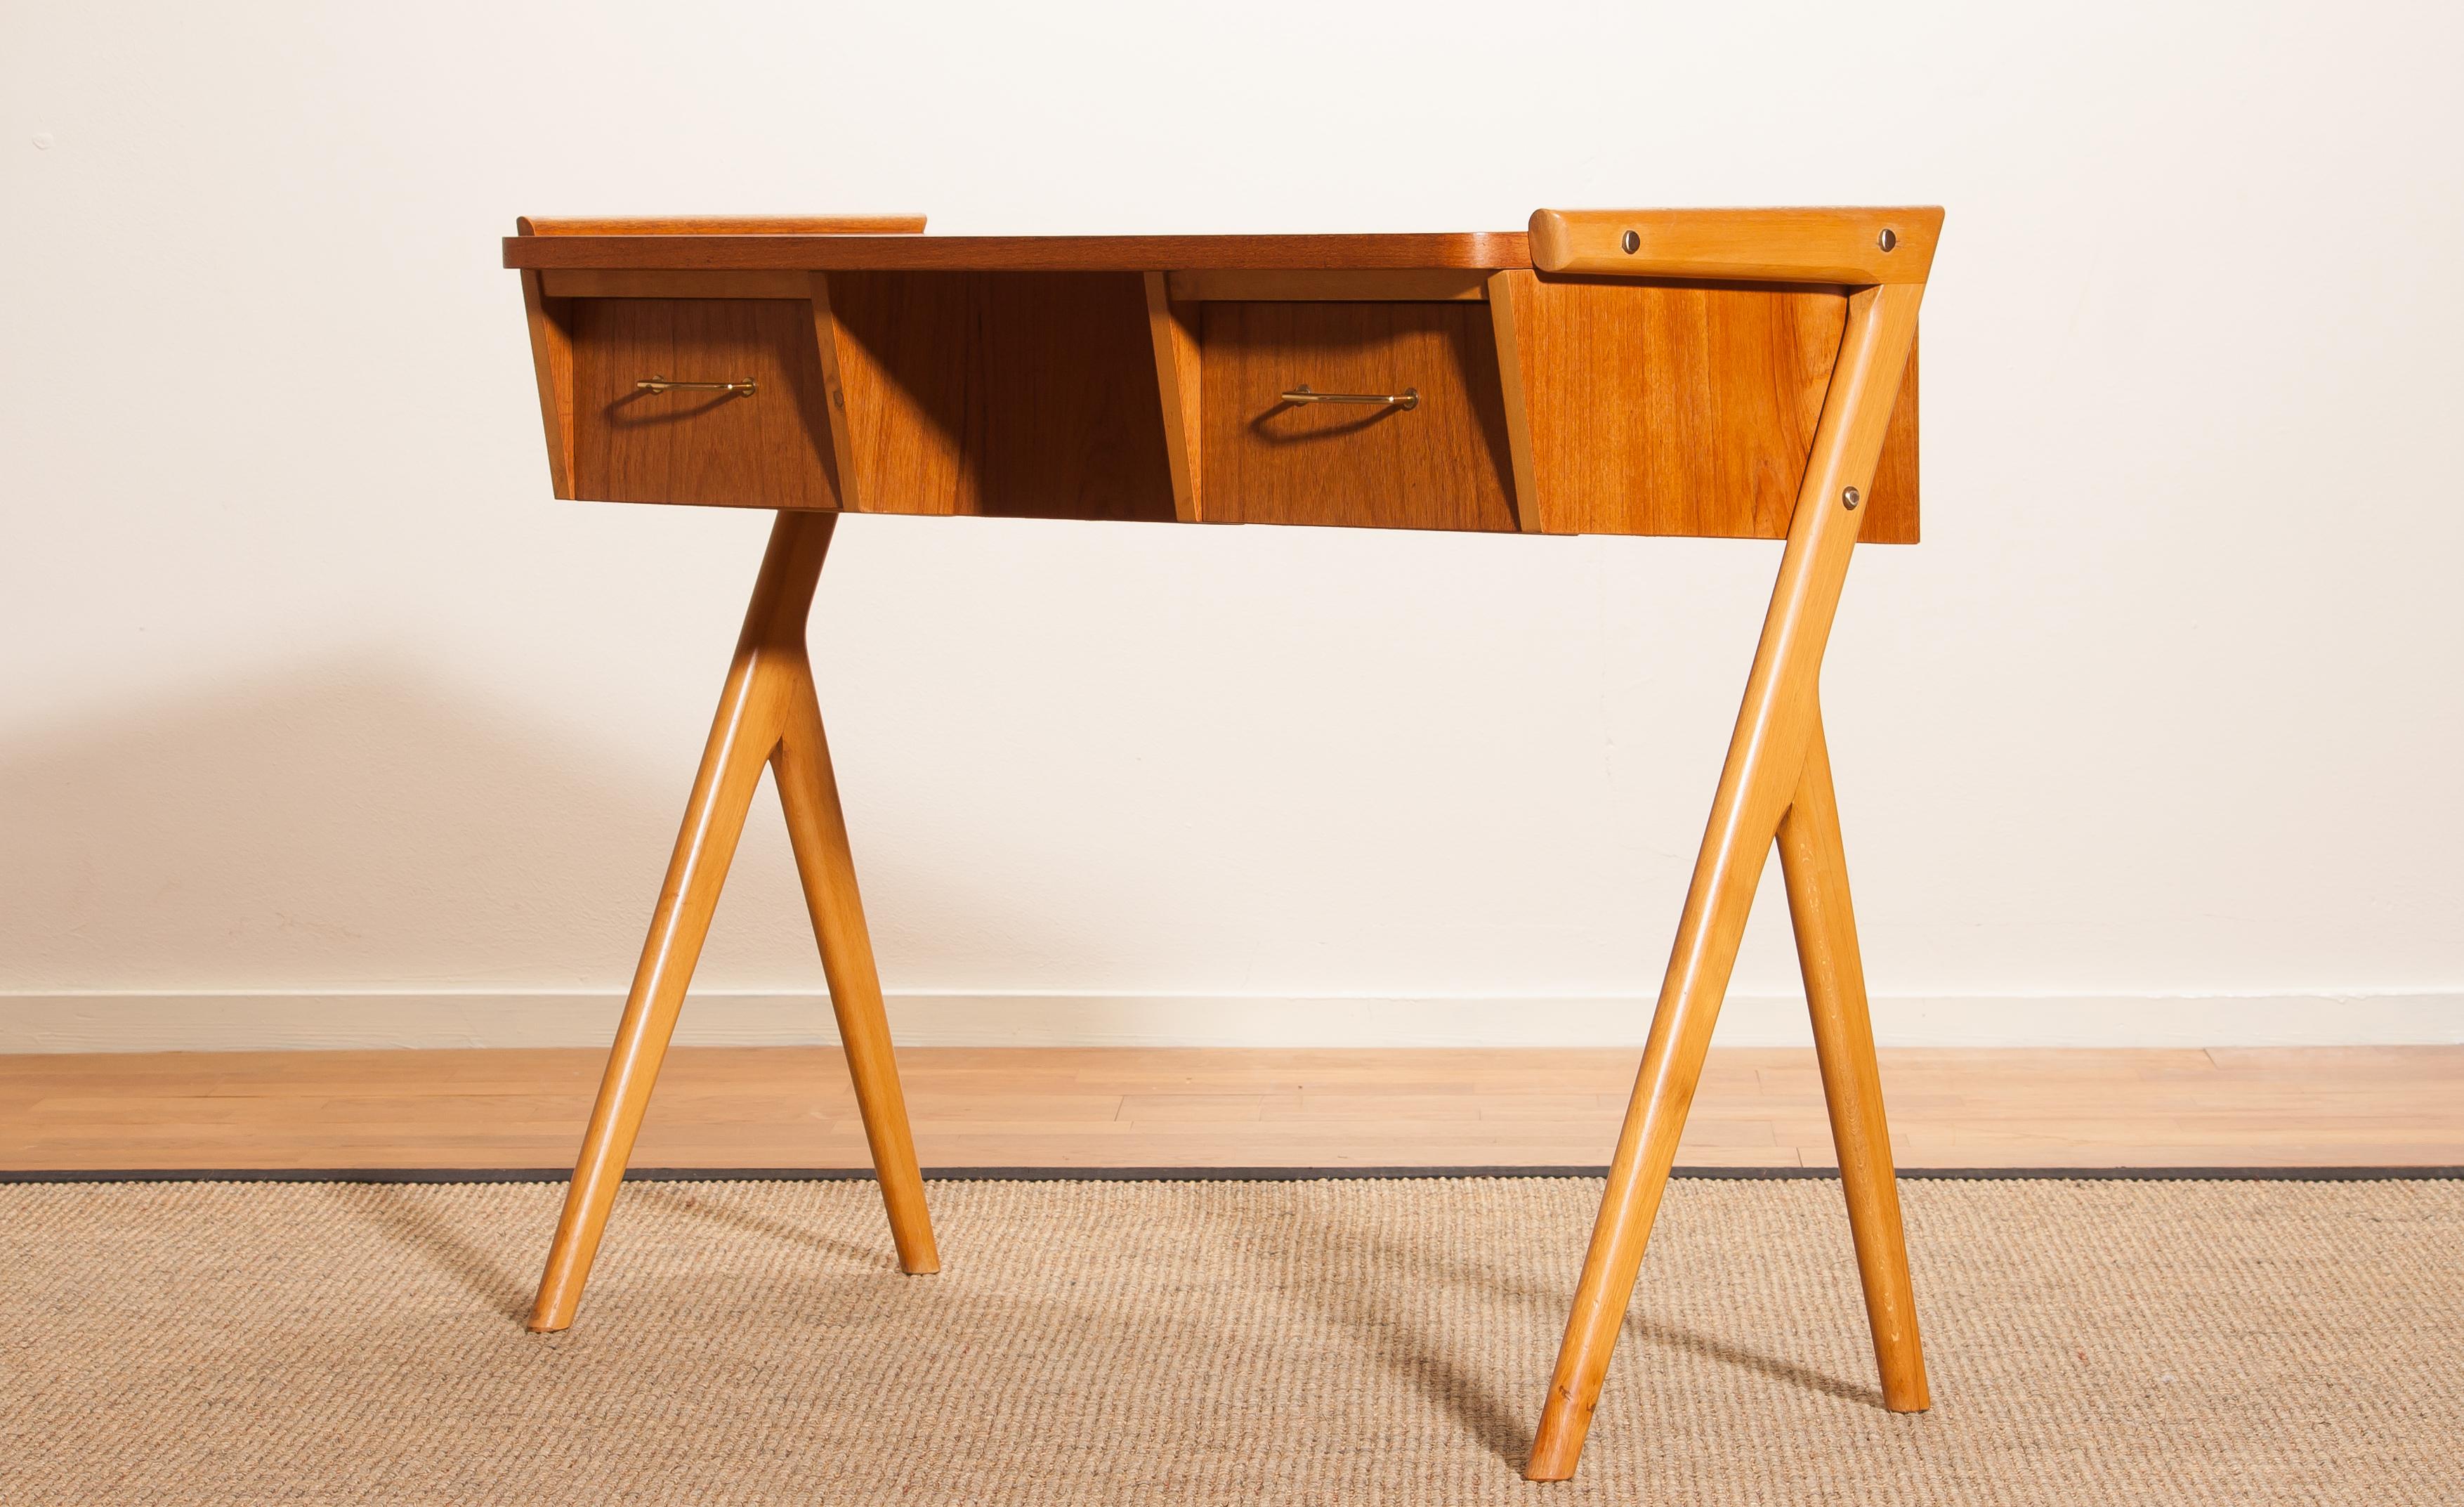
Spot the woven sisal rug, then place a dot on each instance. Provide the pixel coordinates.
(1254, 1343)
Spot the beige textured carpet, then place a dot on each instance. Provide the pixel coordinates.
(1252, 1343)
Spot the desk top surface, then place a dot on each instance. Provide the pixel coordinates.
(1482, 250)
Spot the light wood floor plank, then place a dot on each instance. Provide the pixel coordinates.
(786, 1106)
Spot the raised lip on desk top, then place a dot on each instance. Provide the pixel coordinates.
(1482, 250)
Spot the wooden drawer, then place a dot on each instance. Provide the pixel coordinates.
(769, 448)
(1443, 463)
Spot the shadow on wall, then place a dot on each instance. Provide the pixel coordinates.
(353, 821)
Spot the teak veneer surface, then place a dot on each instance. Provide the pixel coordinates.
(1687, 410)
(724, 225)
(1484, 250)
(1441, 464)
(1017, 395)
(1864, 245)
(632, 446)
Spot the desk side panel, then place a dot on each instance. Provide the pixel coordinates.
(1688, 409)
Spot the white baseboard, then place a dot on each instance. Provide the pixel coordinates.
(261, 1020)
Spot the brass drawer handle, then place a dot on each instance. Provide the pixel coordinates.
(1408, 398)
(662, 384)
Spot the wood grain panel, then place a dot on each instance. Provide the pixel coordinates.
(907, 349)
(1484, 251)
(1421, 285)
(1444, 464)
(1173, 329)
(1016, 395)
(769, 450)
(1686, 410)
(727, 225)
(552, 370)
(1855, 246)
(1518, 406)
(1894, 519)
(825, 345)
(592, 284)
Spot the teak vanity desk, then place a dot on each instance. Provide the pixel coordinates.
(1744, 374)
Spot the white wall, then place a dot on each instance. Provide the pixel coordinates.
(320, 721)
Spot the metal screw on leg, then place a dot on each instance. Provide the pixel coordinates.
(1850, 498)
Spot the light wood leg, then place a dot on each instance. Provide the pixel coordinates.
(1765, 755)
(809, 793)
(1814, 864)
(769, 693)
(1723, 892)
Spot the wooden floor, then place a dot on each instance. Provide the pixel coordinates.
(790, 1107)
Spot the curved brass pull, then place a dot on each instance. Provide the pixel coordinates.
(1408, 398)
(662, 384)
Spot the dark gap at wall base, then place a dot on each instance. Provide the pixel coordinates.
(2219, 1174)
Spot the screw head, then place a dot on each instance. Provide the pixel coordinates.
(1850, 498)
(1887, 239)
(1631, 242)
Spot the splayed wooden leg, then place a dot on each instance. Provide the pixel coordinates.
(766, 709)
(1816, 865)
